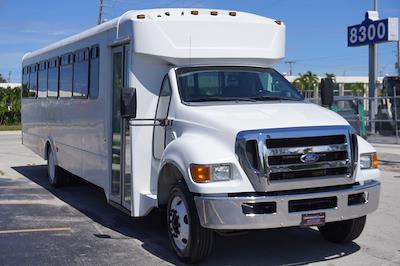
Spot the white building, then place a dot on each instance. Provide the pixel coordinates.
(9, 85)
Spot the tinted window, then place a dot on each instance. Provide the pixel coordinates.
(53, 78)
(66, 72)
(162, 113)
(25, 81)
(81, 73)
(42, 79)
(33, 81)
(233, 83)
(94, 72)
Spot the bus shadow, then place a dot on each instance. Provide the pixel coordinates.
(294, 246)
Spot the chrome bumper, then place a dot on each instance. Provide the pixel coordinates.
(226, 212)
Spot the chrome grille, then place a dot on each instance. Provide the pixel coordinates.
(270, 157)
(284, 162)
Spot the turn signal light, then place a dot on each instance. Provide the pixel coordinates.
(200, 173)
(374, 160)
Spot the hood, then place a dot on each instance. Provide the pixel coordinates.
(249, 116)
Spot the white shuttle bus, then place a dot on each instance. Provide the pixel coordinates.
(181, 109)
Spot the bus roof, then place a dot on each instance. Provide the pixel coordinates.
(195, 33)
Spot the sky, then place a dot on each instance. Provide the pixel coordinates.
(315, 29)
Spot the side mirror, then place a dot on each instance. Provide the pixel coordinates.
(128, 103)
(326, 87)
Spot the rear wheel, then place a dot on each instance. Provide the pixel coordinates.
(343, 231)
(54, 172)
(191, 242)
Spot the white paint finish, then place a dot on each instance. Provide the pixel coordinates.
(81, 129)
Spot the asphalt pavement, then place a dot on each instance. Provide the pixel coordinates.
(40, 225)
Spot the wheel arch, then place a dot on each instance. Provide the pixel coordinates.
(49, 145)
(169, 176)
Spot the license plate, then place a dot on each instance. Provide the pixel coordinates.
(313, 219)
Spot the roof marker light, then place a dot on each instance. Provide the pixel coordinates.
(232, 13)
(167, 14)
(214, 13)
(194, 12)
(279, 22)
(141, 16)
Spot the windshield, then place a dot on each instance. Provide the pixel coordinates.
(201, 84)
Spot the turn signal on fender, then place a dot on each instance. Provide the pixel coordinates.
(374, 160)
(200, 173)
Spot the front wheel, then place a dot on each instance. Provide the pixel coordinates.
(191, 242)
(343, 231)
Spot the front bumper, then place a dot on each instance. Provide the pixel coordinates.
(227, 212)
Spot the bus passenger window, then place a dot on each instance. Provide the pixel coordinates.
(94, 72)
(25, 82)
(66, 72)
(42, 79)
(52, 82)
(81, 74)
(33, 81)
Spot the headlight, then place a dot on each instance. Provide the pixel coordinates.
(209, 173)
(368, 161)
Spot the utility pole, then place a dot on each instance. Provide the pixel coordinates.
(398, 58)
(291, 63)
(373, 69)
(100, 18)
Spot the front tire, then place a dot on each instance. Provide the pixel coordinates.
(343, 231)
(191, 242)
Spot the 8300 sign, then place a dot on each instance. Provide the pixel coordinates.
(370, 31)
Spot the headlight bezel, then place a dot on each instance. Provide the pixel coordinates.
(207, 173)
(368, 161)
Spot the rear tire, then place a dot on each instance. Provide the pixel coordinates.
(54, 172)
(191, 242)
(343, 231)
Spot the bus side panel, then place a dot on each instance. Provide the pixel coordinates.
(34, 125)
(78, 127)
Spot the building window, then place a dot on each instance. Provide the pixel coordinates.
(52, 81)
(33, 81)
(81, 73)
(42, 79)
(94, 71)
(25, 82)
(66, 75)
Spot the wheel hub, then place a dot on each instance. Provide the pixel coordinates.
(178, 223)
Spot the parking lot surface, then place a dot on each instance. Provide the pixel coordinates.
(74, 225)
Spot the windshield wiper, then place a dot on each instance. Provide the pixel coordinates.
(266, 97)
(221, 99)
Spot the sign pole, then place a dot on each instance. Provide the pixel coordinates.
(373, 70)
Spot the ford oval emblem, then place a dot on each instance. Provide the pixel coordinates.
(309, 158)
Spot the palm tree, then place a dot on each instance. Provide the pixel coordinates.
(358, 89)
(331, 76)
(306, 82)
